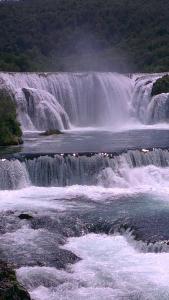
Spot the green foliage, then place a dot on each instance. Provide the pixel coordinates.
(73, 35)
(10, 288)
(161, 86)
(10, 131)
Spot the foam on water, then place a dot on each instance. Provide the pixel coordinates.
(150, 179)
(110, 269)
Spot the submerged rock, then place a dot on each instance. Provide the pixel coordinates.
(10, 289)
(51, 132)
(10, 131)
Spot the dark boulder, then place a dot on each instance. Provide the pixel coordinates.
(25, 217)
(160, 86)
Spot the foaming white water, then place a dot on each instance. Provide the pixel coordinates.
(34, 198)
(158, 108)
(149, 177)
(148, 109)
(41, 199)
(148, 180)
(110, 269)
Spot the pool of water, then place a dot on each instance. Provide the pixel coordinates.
(92, 141)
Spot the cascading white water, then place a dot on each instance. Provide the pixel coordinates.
(131, 168)
(13, 174)
(62, 100)
(148, 109)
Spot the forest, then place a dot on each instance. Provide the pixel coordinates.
(78, 35)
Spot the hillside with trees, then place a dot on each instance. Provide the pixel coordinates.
(78, 35)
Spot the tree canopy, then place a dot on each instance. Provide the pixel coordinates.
(78, 35)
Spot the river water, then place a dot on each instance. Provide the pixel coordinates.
(99, 231)
(85, 214)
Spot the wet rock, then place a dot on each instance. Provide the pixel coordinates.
(161, 86)
(10, 289)
(51, 132)
(61, 258)
(148, 82)
(25, 217)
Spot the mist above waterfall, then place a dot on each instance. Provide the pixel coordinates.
(88, 53)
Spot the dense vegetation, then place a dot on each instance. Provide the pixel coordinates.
(10, 132)
(10, 289)
(161, 86)
(60, 35)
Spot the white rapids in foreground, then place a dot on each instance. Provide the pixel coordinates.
(110, 269)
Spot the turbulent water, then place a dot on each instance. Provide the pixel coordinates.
(84, 225)
(67, 100)
(87, 227)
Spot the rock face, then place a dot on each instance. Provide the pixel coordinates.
(10, 131)
(10, 289)
(161, 86)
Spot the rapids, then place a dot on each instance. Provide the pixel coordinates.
(85, 215)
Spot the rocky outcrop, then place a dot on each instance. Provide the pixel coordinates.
(10, 289)
(160, 86)
(10, 131)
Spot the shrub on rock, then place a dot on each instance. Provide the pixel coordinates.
(10, 289)
(161, 86)
(10, 131)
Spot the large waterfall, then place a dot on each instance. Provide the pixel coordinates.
(65, 100)
(61, 100)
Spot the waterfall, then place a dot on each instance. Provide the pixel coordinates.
(62, 100)
(83, 170)
(148, 109)
(13, 174)
(67, 100)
